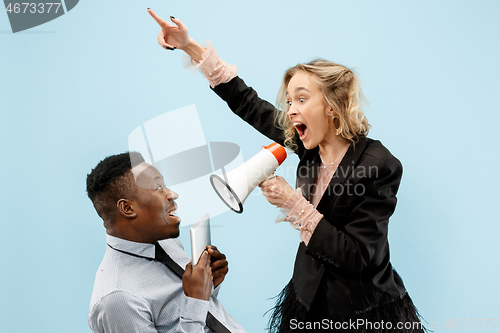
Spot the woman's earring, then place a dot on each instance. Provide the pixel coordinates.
(335, 123)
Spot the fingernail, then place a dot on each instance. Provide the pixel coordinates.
(174, 47)
(169, 48)
(172, 17)
(149, 8)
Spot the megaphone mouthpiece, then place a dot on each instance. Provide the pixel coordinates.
(278, 151)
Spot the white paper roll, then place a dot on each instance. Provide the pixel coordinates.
(200, 237)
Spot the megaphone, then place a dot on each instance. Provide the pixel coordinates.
(236, 185)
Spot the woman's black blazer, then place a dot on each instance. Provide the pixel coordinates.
(348, 254)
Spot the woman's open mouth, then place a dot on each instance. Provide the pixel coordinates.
(301, 129)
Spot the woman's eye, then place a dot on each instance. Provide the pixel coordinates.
(289, 102)
(302, 100)
(159, 187)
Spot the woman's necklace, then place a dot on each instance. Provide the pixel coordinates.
(336, 161)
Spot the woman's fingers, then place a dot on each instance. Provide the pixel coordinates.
(161, 41)
(158, 19)
(179, 24)
(174, 35)
(277, 191)
(267, 184)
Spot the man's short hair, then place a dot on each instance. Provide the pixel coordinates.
(110, 181)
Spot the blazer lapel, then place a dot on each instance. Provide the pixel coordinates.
(307, 171)
(343, 171)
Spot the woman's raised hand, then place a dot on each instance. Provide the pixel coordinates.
(171, 36)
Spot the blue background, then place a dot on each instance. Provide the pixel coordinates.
(73, 89)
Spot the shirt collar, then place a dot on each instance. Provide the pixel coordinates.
(141, 249)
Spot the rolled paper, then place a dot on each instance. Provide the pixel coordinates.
(200, 237)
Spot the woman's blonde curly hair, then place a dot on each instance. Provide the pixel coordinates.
(342, 93)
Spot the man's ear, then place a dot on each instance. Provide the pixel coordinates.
(125, 208)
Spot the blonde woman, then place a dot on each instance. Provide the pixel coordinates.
(345, 193)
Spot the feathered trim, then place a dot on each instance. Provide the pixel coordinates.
(289, 311)
(189, 64)
(214, 69)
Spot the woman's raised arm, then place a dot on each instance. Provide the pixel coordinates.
(177, 37)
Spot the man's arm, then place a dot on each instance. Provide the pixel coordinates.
(121, 312)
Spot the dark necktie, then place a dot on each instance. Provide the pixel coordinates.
(163, 257)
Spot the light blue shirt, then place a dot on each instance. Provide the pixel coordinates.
(133, 294)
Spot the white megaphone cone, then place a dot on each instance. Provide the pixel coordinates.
(235, 186)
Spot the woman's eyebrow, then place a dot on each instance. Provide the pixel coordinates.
(298, 89)
(301, 88)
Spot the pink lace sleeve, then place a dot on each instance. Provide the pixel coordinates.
(214, 69)
(302, 215)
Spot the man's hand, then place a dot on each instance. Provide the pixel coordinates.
(197, 281)
(219, 265)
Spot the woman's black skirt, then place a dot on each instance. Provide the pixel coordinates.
(290, 315)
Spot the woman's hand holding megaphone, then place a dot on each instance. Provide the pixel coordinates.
(276, 190)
